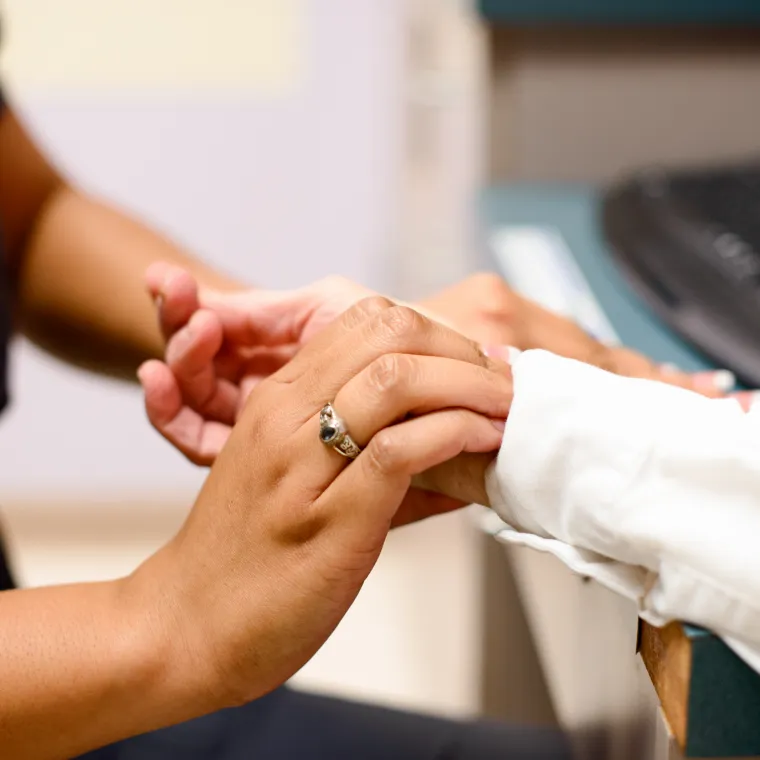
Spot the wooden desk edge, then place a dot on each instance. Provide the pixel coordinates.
(666, 653)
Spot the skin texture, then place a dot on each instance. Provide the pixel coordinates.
(273, 552)
(87, 664)
(228, 343)
(275, 548)
(78, 266)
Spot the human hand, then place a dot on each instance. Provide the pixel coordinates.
(484, 308)
(221, 344)
(215, 356)
(285, 530)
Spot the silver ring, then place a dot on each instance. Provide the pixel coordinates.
(333, 433)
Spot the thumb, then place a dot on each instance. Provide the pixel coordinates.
(175, 293)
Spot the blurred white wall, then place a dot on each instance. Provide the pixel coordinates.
(281, 171)
(266, 136)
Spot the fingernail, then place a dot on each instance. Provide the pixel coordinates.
(506, 354)
(669, 369)
(723, 380)
(500, 425)
(160, 301)
(748, 400)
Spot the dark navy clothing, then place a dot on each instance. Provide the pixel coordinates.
(288, 725)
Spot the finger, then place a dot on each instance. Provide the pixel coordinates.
(362, 335)
(397, 386)
(629, 363)
(190, 355)
(259, 366)
(261, 362)
(154, 277)
(175, 292)
(536, 327)
(720, 381)
(163, 399)
(366, 497)
(198, 440)
(531, 326)
(419, 504)
(463, 478)
(748, 400)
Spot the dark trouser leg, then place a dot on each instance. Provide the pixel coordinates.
(287, 725)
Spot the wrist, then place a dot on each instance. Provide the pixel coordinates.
(172, 637)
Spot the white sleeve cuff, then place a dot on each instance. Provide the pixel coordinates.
(653, 490)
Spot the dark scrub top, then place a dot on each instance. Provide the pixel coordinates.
(5, 332)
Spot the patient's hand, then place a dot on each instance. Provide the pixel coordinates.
(485, 309)
(220, 345)
(462, 478)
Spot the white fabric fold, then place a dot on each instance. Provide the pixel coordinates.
(653, 491)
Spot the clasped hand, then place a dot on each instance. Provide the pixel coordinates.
(285, 530)
(219, 346)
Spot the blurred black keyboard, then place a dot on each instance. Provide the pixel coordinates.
(689, 242)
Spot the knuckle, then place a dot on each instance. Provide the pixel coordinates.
(620, 361)
(493, 293)
(363, 310)
(383, 452)
(370, 306)
(400, 322)
(388, 372)
(602, 357)
(262, 411)
(629, 363)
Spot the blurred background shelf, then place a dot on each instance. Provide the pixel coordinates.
(620, 11)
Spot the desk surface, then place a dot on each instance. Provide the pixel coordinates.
(711, 697)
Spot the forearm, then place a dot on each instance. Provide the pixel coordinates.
(85, 665)
(81, 284)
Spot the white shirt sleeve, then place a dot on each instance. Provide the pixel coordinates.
(653, 490)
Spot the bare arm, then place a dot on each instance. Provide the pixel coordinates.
(273, 552)
(78, 265)
(85, 665)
